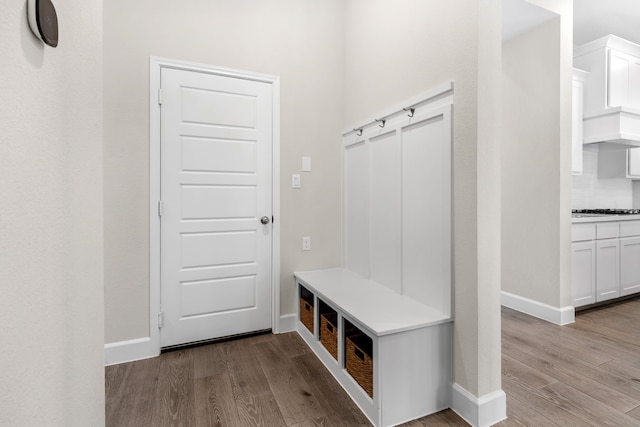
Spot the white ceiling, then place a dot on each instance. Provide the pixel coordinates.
(519, 16)
(592, 19)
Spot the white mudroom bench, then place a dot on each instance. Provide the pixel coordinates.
(391, 353)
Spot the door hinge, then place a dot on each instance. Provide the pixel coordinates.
(160, 320)
(159, 96)
(160, 208)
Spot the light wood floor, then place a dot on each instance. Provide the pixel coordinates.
(584, 374)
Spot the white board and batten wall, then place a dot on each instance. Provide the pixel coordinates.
(396, 282)
(397, 201)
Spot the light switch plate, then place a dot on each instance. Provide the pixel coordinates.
(295, 180)
(306, 164)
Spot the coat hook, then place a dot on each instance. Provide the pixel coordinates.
(410, 110)
(358, 131)
(381, 122)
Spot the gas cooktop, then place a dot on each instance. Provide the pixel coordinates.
(606, 211)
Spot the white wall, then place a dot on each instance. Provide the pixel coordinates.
(51, 259)
(536, 164)
(298, 40)
(395, 50)
(590, 192)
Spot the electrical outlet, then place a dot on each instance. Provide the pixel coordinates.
(306, 243)
(295, 181)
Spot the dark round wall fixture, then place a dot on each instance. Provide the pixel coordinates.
(43, 21)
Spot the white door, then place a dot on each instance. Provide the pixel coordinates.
(216, 187)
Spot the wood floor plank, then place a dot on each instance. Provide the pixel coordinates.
(245, 371)
(214, 402)
(175, 391)
(612, 320)
(137, 395)
(314, 422)
(612, 333)
(583, 405)
(592, 351)
(630, 306)
(259, 410)
(340, 409)
(115, 379)
(522, 373)
(628, 372)
(509, 315)
(439, 419)
(635, 413)
(210, 360)
(546, 406)
(521, 413)
(292, 345)
(291, 391)
(617, 349)
(603, 388)
(553, 336)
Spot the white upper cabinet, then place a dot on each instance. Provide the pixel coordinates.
(633, 163)
(611, 91)
(624, 80)
(614, 73)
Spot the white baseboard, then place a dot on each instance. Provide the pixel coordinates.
(559, 316)
(129, 351)
(479, 411)
(287, 323)
(142, 348)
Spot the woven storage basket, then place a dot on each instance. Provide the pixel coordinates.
(359, 363)
(329, 333)
(306, 314)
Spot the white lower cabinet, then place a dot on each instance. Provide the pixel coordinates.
(584, 273)
(629, 265)
(607, 269)
(605, 261)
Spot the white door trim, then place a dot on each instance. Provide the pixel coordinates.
(155, 66)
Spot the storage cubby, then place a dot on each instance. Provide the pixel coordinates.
(328, 328)
(307, 316)
(358, 356)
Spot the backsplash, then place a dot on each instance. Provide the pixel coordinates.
(636, 194)
(589, 192)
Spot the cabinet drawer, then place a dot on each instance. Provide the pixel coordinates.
(581, 232)
(607, 230)
(629, 228)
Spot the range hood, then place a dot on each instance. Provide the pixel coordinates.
(611, 116)
(617, 127)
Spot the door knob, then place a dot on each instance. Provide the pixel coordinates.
(264, 220)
